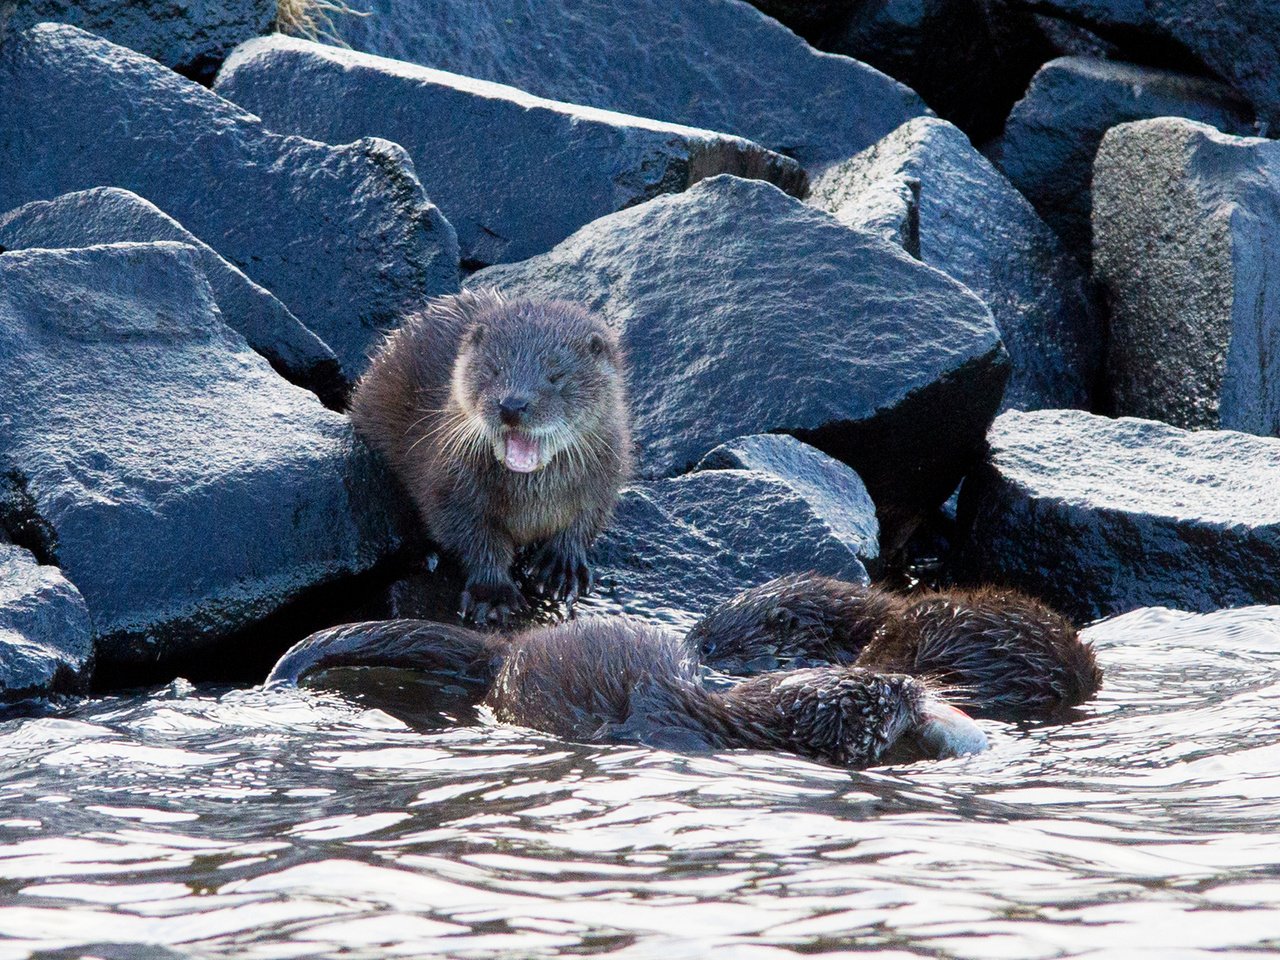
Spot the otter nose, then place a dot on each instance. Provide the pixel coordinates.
(512, 409)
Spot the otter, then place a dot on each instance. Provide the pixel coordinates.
(619, 680)
(506, 421)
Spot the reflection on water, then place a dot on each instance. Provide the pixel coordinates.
(305, 824)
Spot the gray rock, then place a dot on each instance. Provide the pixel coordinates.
(46, 641)
(715, 64)
(1187, 244)
(926, 188)
(111, 215)
(515, 174)
(184, 487)
(344, 236)
(746, 311)
(1053, 132)
(1101, 516)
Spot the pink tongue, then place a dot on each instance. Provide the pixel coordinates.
(521, 453)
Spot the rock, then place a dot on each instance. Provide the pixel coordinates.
(111, 215)
(1051, 136)
(46, 641)
(746, 311)
(1185, 243)
(191, 36)
(514, 174)
(805, 17)
(1100, 516)
(344, 236)
(180, 484)
(927, 189)
(714, 64)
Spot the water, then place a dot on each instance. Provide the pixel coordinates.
(233, 823)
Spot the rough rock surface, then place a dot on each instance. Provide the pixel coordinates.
(726, 67)
(344, 236)
(180, 484)
(515, 174)
(1101, 516)
(46, 641)
(1187, 245)
(1053, 132)
(746, 311)
(111, 215)
(925, 187)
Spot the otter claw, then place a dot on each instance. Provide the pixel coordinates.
(492, 602)
(561, 574)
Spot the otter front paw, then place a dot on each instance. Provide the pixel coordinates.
(485, 601)
(560, 571)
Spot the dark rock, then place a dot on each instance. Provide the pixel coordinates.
(46, 641)
(112, 215)
(514, 174)
(1185, 227)
(926, 188)
(184, 487)
(1051, 136)
(805, 17)
(715, 64)
(344, 236)
(1101, 516)
(746, 311)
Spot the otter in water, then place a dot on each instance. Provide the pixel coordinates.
(619, 680)
(506, 421)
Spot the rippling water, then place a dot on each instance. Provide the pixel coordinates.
(304, 824)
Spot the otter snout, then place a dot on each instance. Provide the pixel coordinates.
(512, 409)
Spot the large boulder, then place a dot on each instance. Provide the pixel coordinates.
(515, 174)
(344, 236)
(1187, 244)
(715, 64)
(111, 215)
(1053, 132)
(181, 484)
(46, 640)
(926, 187)
(744, 311)
(1101, 516)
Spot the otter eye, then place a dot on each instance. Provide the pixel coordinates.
(556, 377)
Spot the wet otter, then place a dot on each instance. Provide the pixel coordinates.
(507, 423)
(620, 680)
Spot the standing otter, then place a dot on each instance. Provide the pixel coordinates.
(507, 423)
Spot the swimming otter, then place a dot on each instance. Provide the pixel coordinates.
(997, 652)
(507, 423)
(620, 680)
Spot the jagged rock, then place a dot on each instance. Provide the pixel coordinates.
(926, 188)
(715, 64)
(1185, 227)
(180, 484)
(1101, 516)
(344, 236)
(111, 215)
(1053, 132)
(515, 174)
(746, 311)
(805, 17)
(46, 641)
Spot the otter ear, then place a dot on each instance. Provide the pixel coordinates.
(597, 345)
(475, 336)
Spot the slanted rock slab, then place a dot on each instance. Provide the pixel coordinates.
(46, 641)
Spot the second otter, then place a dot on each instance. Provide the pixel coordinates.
(507, 423)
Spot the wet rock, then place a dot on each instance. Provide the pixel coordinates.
(805, 17)
(715, 64)
(746, 311)
(1100, 516)
(515, 174)
(344, 236)
(1187, 244)
(926, 188)
(112, 215)
(185, 488)
(1053, 132)
(46, 641)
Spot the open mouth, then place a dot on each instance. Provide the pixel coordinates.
(520, 452)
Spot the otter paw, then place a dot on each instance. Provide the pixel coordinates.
(561, 572)
(489, 602)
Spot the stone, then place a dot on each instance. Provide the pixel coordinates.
(1099, 516)
(111, 215)
(344, 236)
(925, 187)
(1053, 132)
(715, 64)
(185, 488)
(514, 174)
(46, 640)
